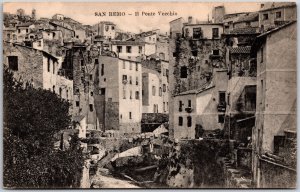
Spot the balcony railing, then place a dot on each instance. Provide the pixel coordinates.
(188, 109)
(221, 107)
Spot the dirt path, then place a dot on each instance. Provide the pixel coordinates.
(107, 181)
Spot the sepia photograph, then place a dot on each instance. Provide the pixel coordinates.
(149, 95)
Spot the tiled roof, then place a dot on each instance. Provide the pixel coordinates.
(276, 5)
(248, 17)
(204, 87)
(240, 50)
(24, 24)
(248, 30)
(127, 43)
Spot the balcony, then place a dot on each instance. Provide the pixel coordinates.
(189, 109)
(221, 107)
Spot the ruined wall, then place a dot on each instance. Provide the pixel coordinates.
(198, 57)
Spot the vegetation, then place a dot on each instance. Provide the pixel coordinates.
(31, 118)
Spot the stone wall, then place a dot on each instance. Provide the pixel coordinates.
(276, 176)
(30, 63)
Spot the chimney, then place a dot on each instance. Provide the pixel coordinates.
(190, 20)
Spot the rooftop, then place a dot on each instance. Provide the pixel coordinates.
(248, 30)
(248, 17)
(203, 88)
(240, 50)
(276, 5)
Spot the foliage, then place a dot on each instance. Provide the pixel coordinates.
(31, 118)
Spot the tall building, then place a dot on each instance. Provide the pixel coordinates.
(194, 52)
(119, 91)
(275, 127)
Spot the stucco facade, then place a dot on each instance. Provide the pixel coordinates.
(276, 97)
(121, 85)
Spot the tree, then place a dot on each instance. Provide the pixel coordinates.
(31, 118)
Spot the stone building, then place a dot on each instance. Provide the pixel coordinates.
(274, 136)
(38, 68)
(81, 64)
(197, 110)
(194, 52)
(119, 99)
(272, 14)
(105, 29)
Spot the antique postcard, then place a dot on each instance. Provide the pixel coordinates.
(149, 95)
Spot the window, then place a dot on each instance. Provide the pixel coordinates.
(137, 95)
(96, 61)
(153, 90)
(164, 106)
(197, 33)
(92, 93)
(13, 63)
(137, 81)
(160, 92)
(189, 103)
(48, 64)
(39, 43)
(215, 33)
(119, 49)
(102, 69)
(130, 94)
(222, 97)
(265, 16)
(140, 49)
(102, 91)
(67, 94)
(180, 121)
(278, 15)
(124, 94)
(221, 118)
(130, 66)
(91, 107)
(124, 65)
(124, 77)
(164, 88)
(130, 80)
(106, 27)
(189, 121)
(53, 88)
(130, 116)
(54, 67)
(155, 108)
(262, 54)
(112, 27)
(183, 72)
(128, 49)
(180, 106)
(162, 56)
(216, 52)
(136, 66)
(77, 103)
(19, 30)
(60, 91)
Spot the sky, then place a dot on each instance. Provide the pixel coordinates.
(85, 12)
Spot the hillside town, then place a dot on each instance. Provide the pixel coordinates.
(209, 104)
